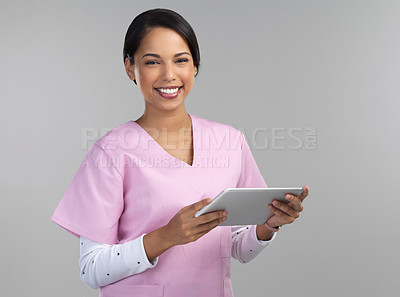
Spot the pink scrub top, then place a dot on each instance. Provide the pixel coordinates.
(128, 185)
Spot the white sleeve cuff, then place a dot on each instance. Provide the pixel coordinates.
(245, 244)
(267, 242)
(144, 255)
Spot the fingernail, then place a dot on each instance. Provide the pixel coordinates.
(225, 213)
(276, 203)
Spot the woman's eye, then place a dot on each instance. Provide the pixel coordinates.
(151, 62)
(182, 60)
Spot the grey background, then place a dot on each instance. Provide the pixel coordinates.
(332, 65)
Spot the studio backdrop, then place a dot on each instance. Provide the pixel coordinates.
(314, 85)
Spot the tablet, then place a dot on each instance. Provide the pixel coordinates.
(247, 206)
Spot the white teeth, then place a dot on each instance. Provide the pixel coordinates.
(168, 91)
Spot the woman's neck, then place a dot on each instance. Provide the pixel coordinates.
(164, 122)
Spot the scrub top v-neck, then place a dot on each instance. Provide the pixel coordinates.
(146, 134)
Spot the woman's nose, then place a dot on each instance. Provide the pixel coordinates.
(169, 72)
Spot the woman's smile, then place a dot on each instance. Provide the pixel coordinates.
(169, 92)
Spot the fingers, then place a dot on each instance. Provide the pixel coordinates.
(304, 194)
(203, 219)
(195, 207)
(284, 217)
(294, 202)
(208, 226)
(286, 209)
(210, 220)
(287, 213)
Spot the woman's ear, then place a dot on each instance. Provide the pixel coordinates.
(129, 70)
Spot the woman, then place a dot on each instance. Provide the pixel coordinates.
(133, 200)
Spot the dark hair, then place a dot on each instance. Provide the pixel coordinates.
(164, 18)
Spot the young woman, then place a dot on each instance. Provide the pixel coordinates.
(133, 201)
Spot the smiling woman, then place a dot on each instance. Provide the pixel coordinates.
(137, 227)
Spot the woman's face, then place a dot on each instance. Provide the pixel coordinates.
(163, 69)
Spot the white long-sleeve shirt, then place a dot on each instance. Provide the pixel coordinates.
(103, 264)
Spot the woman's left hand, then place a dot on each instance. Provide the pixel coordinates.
(287, 213)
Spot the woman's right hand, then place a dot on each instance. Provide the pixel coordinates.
(184, 227)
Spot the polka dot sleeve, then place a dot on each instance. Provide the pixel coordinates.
(245, 244)
(102, 264)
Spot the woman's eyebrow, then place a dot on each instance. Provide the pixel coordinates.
(158, 56)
